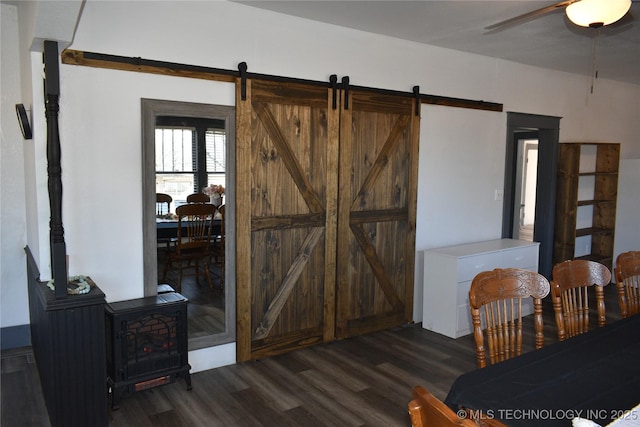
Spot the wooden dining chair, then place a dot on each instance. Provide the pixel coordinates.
(628, 282)
(570, 286)
(218, 246)
(497, 296)
(198, 198)
(195, 222)
(426, 410)
(163, 204)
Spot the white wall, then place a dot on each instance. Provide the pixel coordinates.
(13, 290)
(462, 155)
(101, 163)
(628, 207)
(461, 152)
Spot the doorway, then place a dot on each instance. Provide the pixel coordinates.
(522, 131)
(211, 313)
(525, 186)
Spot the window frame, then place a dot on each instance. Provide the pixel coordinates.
(199, 126)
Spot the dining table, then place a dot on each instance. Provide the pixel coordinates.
(167, 229)
(593, 376)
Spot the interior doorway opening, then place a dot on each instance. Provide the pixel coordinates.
(524, 202)
(546, 130)
(211, 311)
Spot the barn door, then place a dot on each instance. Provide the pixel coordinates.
(376, 220)
(325, 204)
(286, 204)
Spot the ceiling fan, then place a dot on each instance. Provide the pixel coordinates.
(585, 13)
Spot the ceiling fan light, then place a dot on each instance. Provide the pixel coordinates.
(594, 13)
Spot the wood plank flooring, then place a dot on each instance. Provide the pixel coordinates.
(360, 381)
(206, 306)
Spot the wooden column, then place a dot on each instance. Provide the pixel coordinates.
(67, 331)
(54, 170)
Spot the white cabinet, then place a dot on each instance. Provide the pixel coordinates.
(448, 273)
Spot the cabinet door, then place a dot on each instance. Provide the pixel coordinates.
(376, 212)
(286, 186)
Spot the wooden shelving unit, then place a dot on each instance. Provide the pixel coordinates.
(586, 202)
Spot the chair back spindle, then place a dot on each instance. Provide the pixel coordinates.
(628, 282)
(572, 280)
(195, 223)
(194, 226)
(497, 296)
(163, 204)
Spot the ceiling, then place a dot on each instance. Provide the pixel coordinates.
(548, 41)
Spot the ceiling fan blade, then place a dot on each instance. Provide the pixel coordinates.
(530, 15)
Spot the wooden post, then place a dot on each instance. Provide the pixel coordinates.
(67, 331)
(54, 169)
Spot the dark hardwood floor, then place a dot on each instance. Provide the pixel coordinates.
(206, 305)
(361, 381)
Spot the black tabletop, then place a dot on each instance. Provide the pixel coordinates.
(167, 229)
(594, 375)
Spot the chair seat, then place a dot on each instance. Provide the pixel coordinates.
(186, 254)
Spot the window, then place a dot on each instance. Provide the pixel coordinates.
(216, 155)
(190, 155)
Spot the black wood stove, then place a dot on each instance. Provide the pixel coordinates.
(146, 344)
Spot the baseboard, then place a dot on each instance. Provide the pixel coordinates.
(15, 336)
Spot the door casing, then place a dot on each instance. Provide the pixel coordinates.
(548, 128)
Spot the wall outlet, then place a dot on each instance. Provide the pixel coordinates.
(499, 195)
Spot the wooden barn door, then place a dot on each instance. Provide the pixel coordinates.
(377, 205)
(287, 195)
(296, 248)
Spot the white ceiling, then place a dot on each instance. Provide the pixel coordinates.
(548, 41)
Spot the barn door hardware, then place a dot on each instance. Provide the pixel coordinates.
(345, 87)
(242, 68)
(334, 86)
(416, 93)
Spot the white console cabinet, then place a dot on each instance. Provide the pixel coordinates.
(448, 273)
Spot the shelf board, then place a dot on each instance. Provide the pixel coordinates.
(597, 173)
(592, 230)
(594, 202)
(580, 171)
